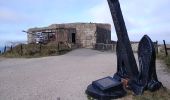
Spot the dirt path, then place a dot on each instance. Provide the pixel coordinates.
(65, 77)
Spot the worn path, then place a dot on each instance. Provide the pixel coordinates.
(50, 78)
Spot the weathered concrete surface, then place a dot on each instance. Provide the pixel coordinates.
(65, 77)
(87, 34)
(48, 78)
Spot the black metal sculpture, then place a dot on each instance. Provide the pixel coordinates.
(147, 57)
(124, 49)
(138, 81)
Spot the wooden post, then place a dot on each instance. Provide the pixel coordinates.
(165, 48)
(4, 49)
(40, 48)
(21, 49)
(156, 47)
(11, 48)
(58, 46)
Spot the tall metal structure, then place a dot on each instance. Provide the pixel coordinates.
(126, 59)
(137, 80)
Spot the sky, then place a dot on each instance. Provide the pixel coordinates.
(142, 17)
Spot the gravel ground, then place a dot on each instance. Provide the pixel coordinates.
(58, 77)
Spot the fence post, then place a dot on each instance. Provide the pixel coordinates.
(58, 46)
(11, 48)
(40, 48)
(21, 49)
(4, 49)
(156, 47)
(166, 52)
(103, 47)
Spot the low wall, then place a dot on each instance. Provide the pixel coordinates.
(105, 47)
(112, 47)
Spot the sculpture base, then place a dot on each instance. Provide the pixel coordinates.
(106, 89)
(100, 95)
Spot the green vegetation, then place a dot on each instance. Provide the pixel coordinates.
(37, 50)
(165, 59)
(161, 94)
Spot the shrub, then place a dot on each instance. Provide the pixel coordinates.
(37, 50)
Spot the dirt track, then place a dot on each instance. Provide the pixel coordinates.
(65, 77)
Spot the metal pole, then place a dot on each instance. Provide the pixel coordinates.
(166, 52)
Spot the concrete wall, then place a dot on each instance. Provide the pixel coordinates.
(31, 38)
(103, 33)
(135, 46)
(87, 34)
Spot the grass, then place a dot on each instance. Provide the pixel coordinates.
(161, 94)
(165, 59)
(36, 50)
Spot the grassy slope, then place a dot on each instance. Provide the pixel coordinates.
(165, 59)
(35, 50)
(162, 94)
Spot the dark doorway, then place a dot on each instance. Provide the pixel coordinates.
(73, 37)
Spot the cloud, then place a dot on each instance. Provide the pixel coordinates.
(141, 17)
(9, 16)
(100, 13)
